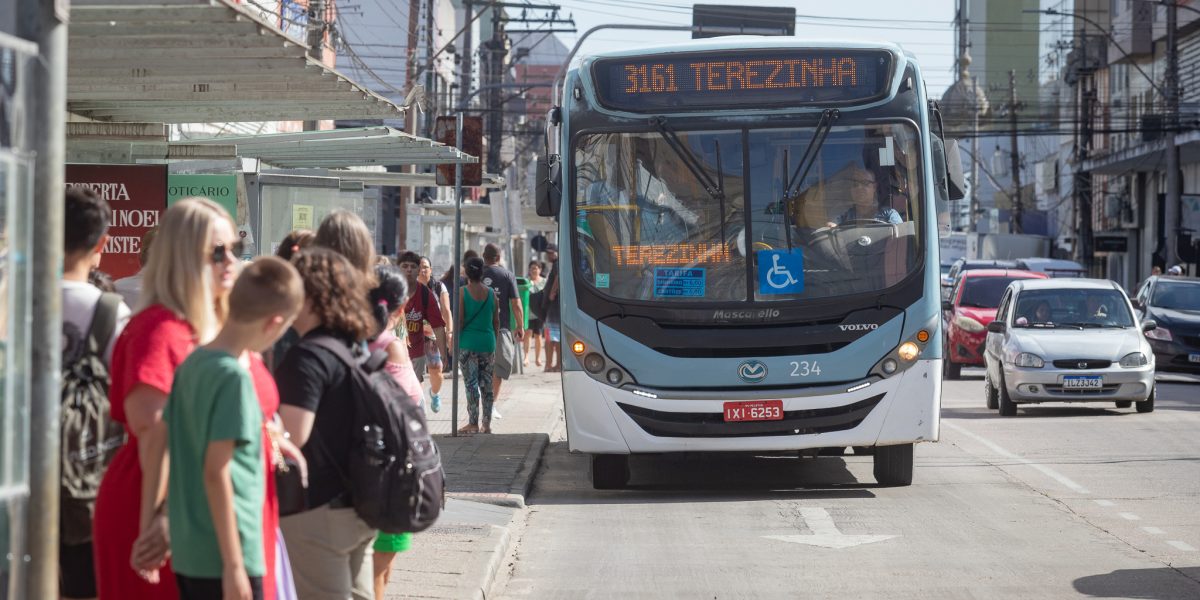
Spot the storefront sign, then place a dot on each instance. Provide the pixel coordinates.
(137, 195)
(1112, 243)
(221, 189)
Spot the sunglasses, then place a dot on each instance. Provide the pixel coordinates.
(220, 252)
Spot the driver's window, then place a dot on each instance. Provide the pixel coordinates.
(1002, 312)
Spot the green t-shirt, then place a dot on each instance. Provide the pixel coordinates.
(213, 399)
(478, 331)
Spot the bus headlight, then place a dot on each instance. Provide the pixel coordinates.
(593, 362)
(889, 366)
(908, 351)
(614, 376)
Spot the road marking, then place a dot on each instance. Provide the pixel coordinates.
(1051, 473)
(825, 533)
(1106, 503)
(1154, 531)
(1129, 516)
(1178, 545)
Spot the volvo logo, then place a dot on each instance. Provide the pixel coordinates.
(859, 327)
(752, 371)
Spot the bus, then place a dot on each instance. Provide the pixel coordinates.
(749, 262)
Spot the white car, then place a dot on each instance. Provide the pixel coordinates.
(1067, 340)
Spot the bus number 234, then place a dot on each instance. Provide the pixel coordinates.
(803, 368)
(648, 78)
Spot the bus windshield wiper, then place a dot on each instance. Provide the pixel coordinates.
(807, 160)
(715, 189)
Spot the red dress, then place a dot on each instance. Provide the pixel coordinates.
(153, 345)
(268, 399)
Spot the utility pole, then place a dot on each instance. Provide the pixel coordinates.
(44, 23)
(495, 52)
(1083, 179)
(316, 41)
(464, 87)
(1016, 155)
(1171, 208)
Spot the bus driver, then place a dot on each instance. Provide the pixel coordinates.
(860, 187)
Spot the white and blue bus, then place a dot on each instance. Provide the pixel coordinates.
(749, 251)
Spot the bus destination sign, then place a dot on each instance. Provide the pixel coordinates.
(759, 78)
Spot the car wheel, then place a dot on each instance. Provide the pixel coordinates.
(894, 465)
(989, 394)
(1123, 403)
(952, 369)
(1147, 405)
(1008, 408)
(610, 471)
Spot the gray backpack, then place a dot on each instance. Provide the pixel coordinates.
(89, 436)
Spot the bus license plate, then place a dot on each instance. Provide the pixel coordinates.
(1082, 383)
(758, 410)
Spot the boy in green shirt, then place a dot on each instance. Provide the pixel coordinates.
(214, 422)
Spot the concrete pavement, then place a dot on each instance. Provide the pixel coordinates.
(488, 478)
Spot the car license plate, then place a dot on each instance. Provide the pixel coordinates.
(1082, 383)
(758, 410)
(1194, 358)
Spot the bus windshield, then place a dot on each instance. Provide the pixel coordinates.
(753, 223)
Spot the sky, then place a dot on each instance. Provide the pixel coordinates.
(923, 27)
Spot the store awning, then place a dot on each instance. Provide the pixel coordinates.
(391, 179)
(201, 61)
(480, 215)
(342, 148)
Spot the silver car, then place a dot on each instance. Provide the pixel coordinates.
(1067, 340)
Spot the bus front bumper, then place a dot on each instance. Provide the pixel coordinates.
(605, 420)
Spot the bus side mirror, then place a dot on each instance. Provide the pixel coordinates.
(954, 171)
(546, 192)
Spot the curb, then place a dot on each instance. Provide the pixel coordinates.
(500, 551)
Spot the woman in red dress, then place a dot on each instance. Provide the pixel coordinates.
(187, 281)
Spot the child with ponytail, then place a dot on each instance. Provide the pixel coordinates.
(387, 302)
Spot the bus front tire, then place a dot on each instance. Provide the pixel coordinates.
(610, 471)
(952, 369)
(894, 465)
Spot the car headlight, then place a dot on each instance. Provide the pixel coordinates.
(968, 324)
(1161, 334)
(1028, 360)
(1133, 360)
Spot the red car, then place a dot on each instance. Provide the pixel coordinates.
(965, 316)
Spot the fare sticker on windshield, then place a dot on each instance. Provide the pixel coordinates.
(678, 283)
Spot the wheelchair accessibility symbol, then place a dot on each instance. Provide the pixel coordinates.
(780, 272)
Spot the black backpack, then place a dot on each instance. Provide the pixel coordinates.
(89, 437)
(395, 475)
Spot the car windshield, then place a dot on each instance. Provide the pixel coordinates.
(984, 292)
(1072, 308)
(1176, 295)
(667, 215)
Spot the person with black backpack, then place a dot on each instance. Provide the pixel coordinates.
(92, 320)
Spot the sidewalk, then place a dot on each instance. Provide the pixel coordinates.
(487, 480)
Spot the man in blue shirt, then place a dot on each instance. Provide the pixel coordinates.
(864, 198)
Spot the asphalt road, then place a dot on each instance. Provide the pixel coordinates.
(1061, 501)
